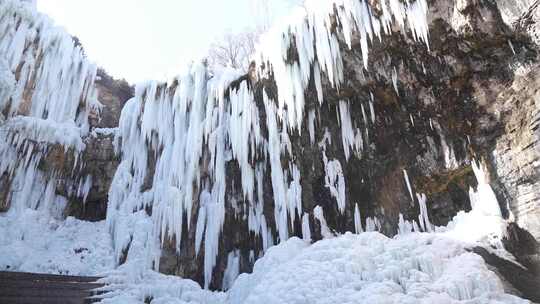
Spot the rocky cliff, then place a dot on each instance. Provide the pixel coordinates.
(408, 126)
(99, 159)
(319, 139)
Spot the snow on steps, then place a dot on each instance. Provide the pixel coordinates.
(32, 288)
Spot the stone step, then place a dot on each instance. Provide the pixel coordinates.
(43, 276)
(42, 300)
(30, 288)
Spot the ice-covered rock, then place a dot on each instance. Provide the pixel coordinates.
(221, 163)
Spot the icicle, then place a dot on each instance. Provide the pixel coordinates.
(406, 176)
(294, 195)
(372, 224)
(201, 224)
(232, 270)
(306, 231)
(372, 109)
(311, 126)
(84, 187)
(423, 218)
(404, 227)
(484, 223)
(252, 256)
(512, 47)
(357, 220)
(319, 215)
(450, 160)
(415, 227)
(347, 133)
(318, 83)
(364, 116)
(278, 180)
(394, 80)
(484, 199)
(335, 181)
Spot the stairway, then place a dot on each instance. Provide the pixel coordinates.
(33, 288)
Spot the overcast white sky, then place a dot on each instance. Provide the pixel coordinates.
(151, 39)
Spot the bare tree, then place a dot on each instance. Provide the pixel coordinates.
(233, 50)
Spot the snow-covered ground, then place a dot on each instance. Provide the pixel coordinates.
(370, 268)
(351, 268)
(33, 242)
(132, 284)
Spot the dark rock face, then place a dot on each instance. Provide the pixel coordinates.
(98, 161)
(512, 273)
(112, 93)
(4, 193)
(517, 151)
(524, 247)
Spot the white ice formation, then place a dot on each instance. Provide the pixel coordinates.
(195, 125)
(364, 268)
(370, 268)
(47, 95)
(367, 267)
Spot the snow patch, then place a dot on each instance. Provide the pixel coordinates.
(31, 241)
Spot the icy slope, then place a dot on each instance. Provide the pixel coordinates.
(370, 268)
(365, 268)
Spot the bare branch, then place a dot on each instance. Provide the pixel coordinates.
(233, 50)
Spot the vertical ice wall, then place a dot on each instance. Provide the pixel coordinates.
(195, 125)
(46, 96)
(313, 31)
